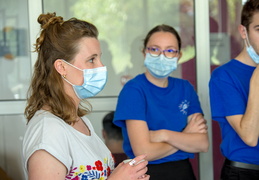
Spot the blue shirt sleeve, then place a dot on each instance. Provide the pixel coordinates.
(131, 105)
(195, 106)
(225, 98)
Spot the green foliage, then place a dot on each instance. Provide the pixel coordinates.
(120, 22)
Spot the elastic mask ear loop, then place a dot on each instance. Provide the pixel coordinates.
(67, 81)
(246, 40)
(73, 67)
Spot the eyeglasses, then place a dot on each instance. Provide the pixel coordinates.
(169, 53)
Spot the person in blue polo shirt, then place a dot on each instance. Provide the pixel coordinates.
(234, 97)
(161, 115)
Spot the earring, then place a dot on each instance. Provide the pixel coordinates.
(64, 76)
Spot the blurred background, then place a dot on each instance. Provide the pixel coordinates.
(122, 25)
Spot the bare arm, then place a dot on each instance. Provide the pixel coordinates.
(193, 139)
(42, 166)
(141, 144)
(247, 125)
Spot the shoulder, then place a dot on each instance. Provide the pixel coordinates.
(225, 69)
(178, 82)
(136, 84)
(46, 120)
(136, 81)
(45, 126)
(47, 132)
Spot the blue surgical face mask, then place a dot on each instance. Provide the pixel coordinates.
(250, 50)
(160, 66)
(94, 81)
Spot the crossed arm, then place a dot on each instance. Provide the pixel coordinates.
(161, 143)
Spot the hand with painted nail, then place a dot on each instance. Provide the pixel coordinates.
(132, 169)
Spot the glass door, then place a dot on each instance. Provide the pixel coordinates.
(15, 73)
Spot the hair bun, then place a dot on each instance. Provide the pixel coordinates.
(48, 19)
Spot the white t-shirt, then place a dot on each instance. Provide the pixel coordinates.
(85, 157)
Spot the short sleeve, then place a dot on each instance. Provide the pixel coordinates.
(225, 98)
(47, 134)
(131, 105)
(195, 106)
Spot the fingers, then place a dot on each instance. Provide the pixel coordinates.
(202, 126)
(144, 177)
(197, 124)
(132, 162)
(139, 166)
(135, 162)
(141, 170)
(201, 120)
(204, 129)
(131, 169)
(142, 174)
(140, 157)
(196, 116)
(138, 161)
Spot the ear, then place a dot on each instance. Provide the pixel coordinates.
(144, 53)
(104, 134)
(60, 67)
(242, 31)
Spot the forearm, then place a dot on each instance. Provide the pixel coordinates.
(141, 143)
(188, 142)
(154, 150)
(249, 124)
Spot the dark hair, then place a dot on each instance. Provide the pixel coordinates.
(162, 28)
(249, 9)
(113, 131)
(58, 39)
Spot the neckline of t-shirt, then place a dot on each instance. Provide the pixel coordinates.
(170, 83)
(243, 65)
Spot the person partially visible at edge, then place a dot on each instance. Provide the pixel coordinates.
(234, 98)
(161, 115)
(113, 138)
(60, 142)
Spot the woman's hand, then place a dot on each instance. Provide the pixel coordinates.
(196, 124)
(135, 169)
(192, 139)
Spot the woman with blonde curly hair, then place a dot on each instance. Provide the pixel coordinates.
(60, 142)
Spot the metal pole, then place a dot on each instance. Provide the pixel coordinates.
(202, 34)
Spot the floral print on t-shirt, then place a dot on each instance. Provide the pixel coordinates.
(100, 171)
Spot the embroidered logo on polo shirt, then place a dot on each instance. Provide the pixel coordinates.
(184, 106)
